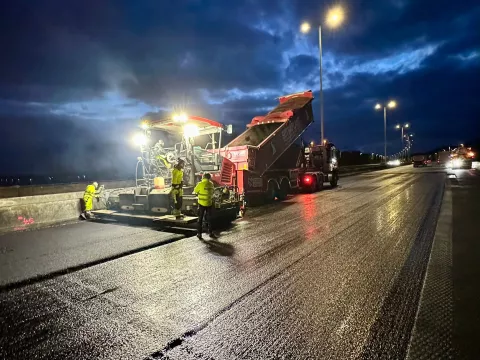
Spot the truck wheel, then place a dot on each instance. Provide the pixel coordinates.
(284, 190)
(270, 194)
(334, 181)
(319, 184)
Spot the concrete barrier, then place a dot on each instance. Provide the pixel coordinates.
(33, 190)
(21, 213)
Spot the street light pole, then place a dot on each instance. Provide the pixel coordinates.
(385, 130)
(334, 18)
(321, 82)
(391, 104)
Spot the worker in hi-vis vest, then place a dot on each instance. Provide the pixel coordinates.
(204, 191)
(90, 193)
(177, 189)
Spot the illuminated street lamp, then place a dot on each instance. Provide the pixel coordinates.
(334, 18)
(404, 126)
(391, 104)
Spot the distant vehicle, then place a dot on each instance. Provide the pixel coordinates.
(419, 160)
(461, 158)
(394, 163)
(443, 158)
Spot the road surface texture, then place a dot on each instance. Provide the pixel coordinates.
(465, 187)
(332, 275)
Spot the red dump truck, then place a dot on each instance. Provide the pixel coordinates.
(269, 162)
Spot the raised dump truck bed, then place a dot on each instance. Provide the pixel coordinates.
(268, 163)
(255, 135)
(268, 137)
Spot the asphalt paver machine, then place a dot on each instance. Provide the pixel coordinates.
(196, 141)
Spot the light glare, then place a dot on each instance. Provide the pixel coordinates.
(190, 130)
(139, 139)
(335, 17)
(180, 118)
(305, 27)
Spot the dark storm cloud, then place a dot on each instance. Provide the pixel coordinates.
(156, 47)
(227, 61)
(377, 27)
(302, 66)
(439, 101)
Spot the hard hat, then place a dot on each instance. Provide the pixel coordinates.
(95, 184)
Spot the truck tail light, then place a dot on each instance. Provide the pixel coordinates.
(307, 179)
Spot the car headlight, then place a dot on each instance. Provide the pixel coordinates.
(457, 162)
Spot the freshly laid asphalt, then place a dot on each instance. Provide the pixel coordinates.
(332, 275)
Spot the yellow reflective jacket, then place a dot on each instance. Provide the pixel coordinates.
(177, 176)
(90, 192)
(204, 190)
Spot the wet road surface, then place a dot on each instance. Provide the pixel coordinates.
(465, 188)
(40, 253)
(332, 275)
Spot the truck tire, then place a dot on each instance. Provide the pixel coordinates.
(334, 180)
(284, 190)
(319, 184)
(271, 190)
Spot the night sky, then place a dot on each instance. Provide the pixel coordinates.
(75, 76)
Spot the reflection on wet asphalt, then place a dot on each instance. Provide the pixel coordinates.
(331, 275)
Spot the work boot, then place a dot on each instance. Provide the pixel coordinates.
(199, 236)
(83, 216)
(213, 236)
